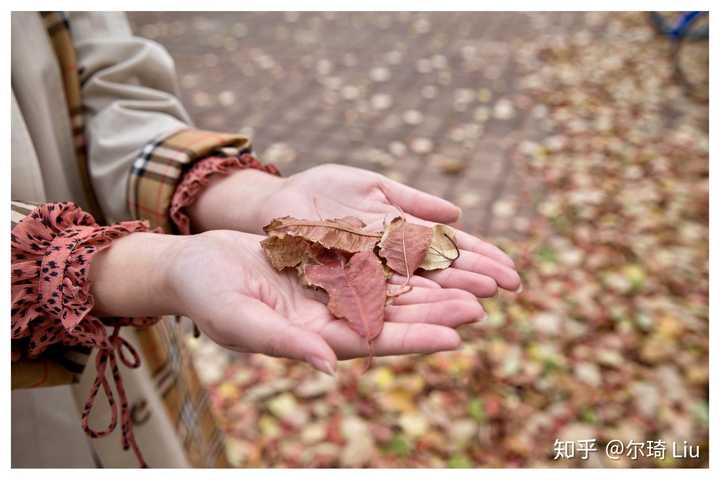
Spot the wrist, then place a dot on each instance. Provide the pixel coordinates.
(131, 278)
(235, 201)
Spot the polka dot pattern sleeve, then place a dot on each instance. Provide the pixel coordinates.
(51, 305)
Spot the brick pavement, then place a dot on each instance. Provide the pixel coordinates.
(411, 95)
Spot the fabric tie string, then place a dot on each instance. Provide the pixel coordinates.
(109, 350)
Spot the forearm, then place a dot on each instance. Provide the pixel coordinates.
(130, 278)
(234, 201)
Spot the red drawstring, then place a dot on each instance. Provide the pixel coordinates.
(112, 346)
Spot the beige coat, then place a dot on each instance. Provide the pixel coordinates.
(129, 98)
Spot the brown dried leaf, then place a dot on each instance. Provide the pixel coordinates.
(443, 250)
(344, 234)
(356, 290)
(388, 272)
(404, 245)
(289, 251)
(349, 220)
(284, 252)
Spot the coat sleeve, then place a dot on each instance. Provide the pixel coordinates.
(51, 324)
(50, 370)
(140, 139)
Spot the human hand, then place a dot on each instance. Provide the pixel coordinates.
(249, 199)
(222, 280)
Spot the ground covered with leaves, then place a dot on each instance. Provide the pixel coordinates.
(608, 223)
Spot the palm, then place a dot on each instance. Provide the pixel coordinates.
(331, 191)
(241, 302)
(336, 192)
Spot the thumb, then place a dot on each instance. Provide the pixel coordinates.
(268, 332)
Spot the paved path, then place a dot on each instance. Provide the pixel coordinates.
(428, 99)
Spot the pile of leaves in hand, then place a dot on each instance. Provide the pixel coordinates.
(353, 264)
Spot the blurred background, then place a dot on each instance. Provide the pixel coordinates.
(576, 141)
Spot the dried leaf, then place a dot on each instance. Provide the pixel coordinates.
(404, 245)
(321, 257)
(443, 250)
(339, 256)
(388, 272)
(344, 234)
(288, 251)
(356, 290)
(284, 252)
(392, 293)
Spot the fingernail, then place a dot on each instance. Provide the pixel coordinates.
(323, 365)
(519, 289)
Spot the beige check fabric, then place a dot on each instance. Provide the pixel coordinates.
(161, 164)
(184, 397)
(58, 28)
(154, 177)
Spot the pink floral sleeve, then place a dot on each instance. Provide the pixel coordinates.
(197, 178)
(51, 251)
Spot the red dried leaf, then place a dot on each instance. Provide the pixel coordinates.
(356, 290)
(404, 245)
(344, 234)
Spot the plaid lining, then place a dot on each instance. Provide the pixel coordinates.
(58, 28)
(19, 210)
(151, 185)
(186, 400)
(60, 366)
(161, 164)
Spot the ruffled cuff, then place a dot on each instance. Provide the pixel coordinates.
(51, 250)
(197, 178)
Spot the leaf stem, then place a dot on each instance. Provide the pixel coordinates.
(327, 224)
(442, 254)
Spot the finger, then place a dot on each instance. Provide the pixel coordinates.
(503, 275)
(465, 241)
(420, 295)
(415, 281)
(395, 339)
(450, 313)
(475, 283)
(418, 203)
(469, 242)
(265, 331)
